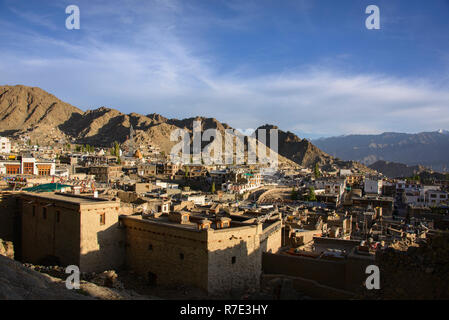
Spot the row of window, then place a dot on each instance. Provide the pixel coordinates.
(28, 169)
(181, 255)
(44, 214)
(58, 215)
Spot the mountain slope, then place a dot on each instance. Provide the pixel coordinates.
(41, 116)
(430, 149)
(396, 170)
(301, 151)
(32, 110)
(306, 154)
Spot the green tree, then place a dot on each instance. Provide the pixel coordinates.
(311, 196)
(212, 189)
(317, 171)
(186, 170)
(116, 149)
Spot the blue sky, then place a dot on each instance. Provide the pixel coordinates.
(308, 66)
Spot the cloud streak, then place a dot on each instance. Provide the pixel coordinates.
(153, 66)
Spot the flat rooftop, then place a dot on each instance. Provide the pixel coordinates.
(163, 220)
(76, 199)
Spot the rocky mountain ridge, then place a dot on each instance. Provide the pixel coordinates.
(429, 149)
(32, 113)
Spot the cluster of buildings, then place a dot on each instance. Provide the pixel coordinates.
(217, 228)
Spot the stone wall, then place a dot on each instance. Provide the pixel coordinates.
(235, 261)
(55, 231)
(127, 196)
(9, 210)
(305, 287)
(166, 255)
(102, 246)
(216, 261)
(326, 272)
(46, 237)
(418, 273)
(271, 239)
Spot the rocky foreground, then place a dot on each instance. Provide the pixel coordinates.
(20, 283)
(27, 282)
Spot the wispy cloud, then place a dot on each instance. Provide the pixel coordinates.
(149, 64)
(35, 19)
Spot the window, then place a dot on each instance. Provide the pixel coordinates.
(43, 170)
(58, 216)
(181, 256)
(12, 169)
(150, 247)
(44, 213)
(233, 260)
(28, 168)
(102, 219)
(34, 211)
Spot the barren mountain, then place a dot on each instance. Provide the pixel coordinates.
(41, 116)
(301, 151)
(33, 111)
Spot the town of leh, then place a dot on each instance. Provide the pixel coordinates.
(226, 155)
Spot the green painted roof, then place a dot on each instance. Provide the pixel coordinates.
(48, 187)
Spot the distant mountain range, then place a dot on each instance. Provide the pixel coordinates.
(429, 149)
(33, 113)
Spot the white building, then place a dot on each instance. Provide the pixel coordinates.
(5, 145)
(166, 185)
(345, 172)
(335, 187)
(373, 186)
(28, 165)
(254, 181)
(412, 197)
(199, 200)
(435, 197)
(424, 195)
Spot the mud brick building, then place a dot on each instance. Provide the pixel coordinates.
(69, 229)
(106, 174)
(214, 254)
